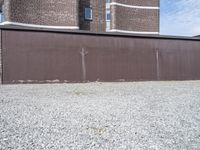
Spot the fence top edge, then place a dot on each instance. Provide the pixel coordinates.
(81, 32)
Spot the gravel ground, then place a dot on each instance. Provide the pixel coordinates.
(141, 115)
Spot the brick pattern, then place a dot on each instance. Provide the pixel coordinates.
(133, 19)
(98, 23)
(139, 2)
(43, 12)
(71, 13)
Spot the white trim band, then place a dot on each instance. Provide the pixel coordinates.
(132, 32)
(39, 26)
(132, 6)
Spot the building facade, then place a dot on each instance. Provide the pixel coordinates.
(61, 14)
(127, 16)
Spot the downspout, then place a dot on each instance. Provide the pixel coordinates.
(1, 58)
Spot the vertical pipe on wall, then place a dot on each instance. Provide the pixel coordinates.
(1, 57)
(83, 54)
(157, 65)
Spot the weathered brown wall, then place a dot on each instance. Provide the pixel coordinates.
(134, 19)
(42, 12)
(179, 60)
(35, 57)
(97, 24)
(1, 69)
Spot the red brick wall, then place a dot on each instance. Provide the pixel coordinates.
(71, 13)
(138, 2)
(97, 24)
(43, 12)
(134, 19)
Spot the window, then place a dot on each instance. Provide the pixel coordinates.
(107, 4)
(108, 15)
(107, 26)
(1, 14)
(88, 13)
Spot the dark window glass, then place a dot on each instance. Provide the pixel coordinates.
(107, 15)
(88, 13)
(1, 14)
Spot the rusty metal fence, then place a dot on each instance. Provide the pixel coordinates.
(41, 56)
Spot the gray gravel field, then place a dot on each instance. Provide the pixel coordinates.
(127, 115)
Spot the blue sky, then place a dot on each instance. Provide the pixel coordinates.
(180, 17)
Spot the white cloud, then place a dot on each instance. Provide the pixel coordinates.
(180, 17)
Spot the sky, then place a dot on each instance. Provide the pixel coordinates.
(180, 17)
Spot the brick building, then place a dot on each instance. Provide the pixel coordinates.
(127, 16)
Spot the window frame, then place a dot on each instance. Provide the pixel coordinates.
(91, 13)
(108, 14)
